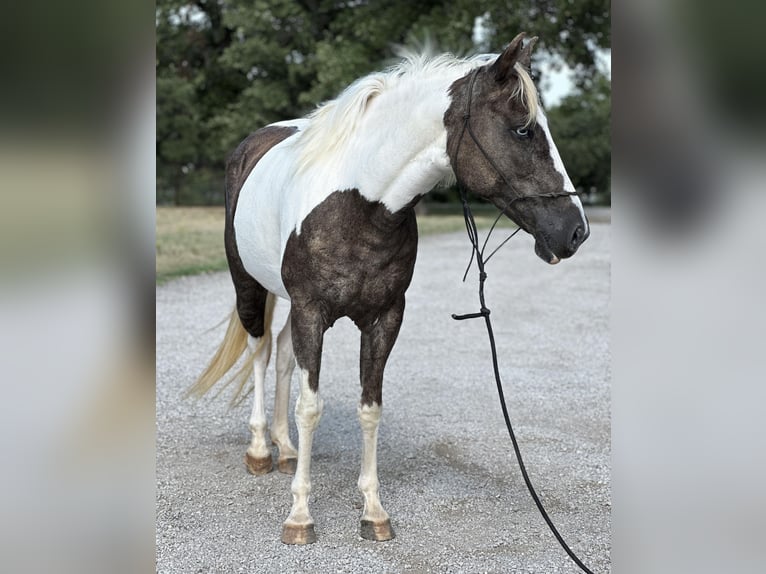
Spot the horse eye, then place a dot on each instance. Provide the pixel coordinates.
(522, 132)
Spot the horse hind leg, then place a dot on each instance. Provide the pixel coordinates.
(280, 436)
(256, 309)
(255, 304)
(258, 455)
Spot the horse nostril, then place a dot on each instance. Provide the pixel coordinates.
(577, 237)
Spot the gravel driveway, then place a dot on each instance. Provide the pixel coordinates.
(448, 477)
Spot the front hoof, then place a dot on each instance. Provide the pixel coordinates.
(378, 531)
(258, 466)
(287, 465)
(298, 534)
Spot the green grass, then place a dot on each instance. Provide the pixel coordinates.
(190, 239)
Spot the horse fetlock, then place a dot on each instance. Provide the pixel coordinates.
(287, 454)
(287, 461)
(280, 437)
(301, 490)
(258, 427)
(259, 440)
(373, 510)
(299, 524)
(286, 448)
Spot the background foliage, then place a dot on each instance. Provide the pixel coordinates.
(228, 67)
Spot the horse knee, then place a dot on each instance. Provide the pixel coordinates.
(308, 409)
(369, 417)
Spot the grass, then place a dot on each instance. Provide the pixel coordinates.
(190, 239)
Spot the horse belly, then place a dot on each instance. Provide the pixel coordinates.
(257, 220)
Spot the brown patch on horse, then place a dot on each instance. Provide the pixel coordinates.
(251, 295)
(353, 258)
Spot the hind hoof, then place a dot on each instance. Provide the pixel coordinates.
(287, 465)
(378, 531)
(298, 534)
(258, 466)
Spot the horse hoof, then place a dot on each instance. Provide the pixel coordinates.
(378, 531)
(287, 465)
(298, 534)
(258, 466)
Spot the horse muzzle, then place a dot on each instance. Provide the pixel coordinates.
(552, 248)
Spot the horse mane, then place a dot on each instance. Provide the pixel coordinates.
(526, 91)
(332, 123)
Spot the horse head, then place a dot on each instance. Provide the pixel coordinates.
(501, 149)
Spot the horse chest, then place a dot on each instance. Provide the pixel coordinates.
(352, 256)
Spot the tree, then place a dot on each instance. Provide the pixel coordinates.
(191, 89)
(582, 135)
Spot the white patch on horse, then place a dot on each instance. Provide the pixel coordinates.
(559, 165)
(285, 365)
(369, 419)
(308, 411)
(387, 161)
(258, 448)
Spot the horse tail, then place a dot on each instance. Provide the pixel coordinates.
(233, 346)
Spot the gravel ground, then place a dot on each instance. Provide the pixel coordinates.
(448, 478)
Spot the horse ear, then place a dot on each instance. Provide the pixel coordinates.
(525, 57)
(501, 68)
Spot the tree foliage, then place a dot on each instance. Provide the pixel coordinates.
(581, 130)
(227, 67)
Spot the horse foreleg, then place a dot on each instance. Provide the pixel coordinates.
(280, 435)
(258, 455)
(377, 342)
(375, 523)
(307, 342)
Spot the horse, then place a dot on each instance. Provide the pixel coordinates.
(320, 212)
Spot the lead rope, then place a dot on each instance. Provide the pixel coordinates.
(478, 254)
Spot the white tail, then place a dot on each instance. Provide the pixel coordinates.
(232, 347)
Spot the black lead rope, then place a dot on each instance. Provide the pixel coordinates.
(478, 254)
(484, 312)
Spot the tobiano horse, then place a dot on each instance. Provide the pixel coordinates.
(320, 212)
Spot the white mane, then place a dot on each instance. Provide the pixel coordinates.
(332, 123)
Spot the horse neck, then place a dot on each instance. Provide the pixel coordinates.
(401, 150)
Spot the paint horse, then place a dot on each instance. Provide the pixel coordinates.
(319, 211)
